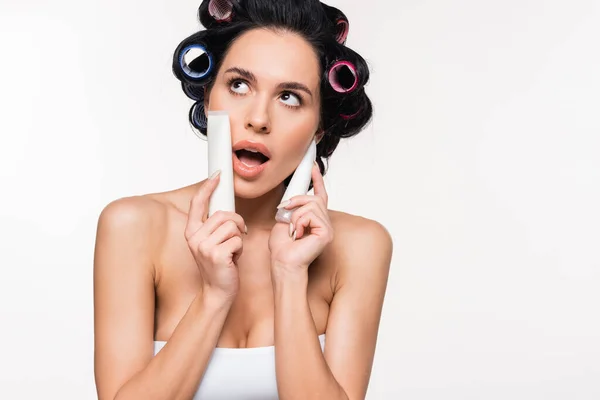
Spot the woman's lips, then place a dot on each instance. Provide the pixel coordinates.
(252, 145)
(246, 171)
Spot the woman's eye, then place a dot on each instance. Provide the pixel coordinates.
(290, 99)
(239, 87)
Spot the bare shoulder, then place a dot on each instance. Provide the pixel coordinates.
(138, 221)
(128, 241)
(361, 255)
(148, 213)
(135, 213)
(360, 243)
(358, 233)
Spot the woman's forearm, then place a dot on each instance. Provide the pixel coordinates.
(302, 372)
(176, 371)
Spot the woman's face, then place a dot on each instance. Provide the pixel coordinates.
(269, 83)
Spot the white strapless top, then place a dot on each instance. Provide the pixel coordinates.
(239, 374)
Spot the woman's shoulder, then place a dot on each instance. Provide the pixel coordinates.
(138, 210)
(359, 242)
(349, 227)
(145, 216)
(150, 208)
(136, 221)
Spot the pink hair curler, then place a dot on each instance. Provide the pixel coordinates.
(343, 77)
(340, 22)
(350, 116)
(342, 28)
(221, 10)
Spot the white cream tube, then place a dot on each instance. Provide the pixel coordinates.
(220, 158)
(299, 183)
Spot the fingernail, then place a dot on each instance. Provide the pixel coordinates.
(284, 203)
(294, 236)
(215, 174)
(245, 229)
(291, 229)
(316, 163)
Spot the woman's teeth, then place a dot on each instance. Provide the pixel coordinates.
(251, 158)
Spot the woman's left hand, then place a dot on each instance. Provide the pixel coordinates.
(296, 245)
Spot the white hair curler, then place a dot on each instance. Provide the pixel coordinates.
(299, 183)
(219, 158)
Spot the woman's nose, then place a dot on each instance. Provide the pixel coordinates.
(258, 118)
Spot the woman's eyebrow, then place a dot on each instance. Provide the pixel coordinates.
(243, 72)
(282, 86)
(294, 85)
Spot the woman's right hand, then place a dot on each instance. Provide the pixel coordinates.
(215, 242)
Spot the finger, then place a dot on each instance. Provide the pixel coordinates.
(309, 222)
(235, 247)
(319, 183)
(310, 208)
(217, 219)
(224, 232)
(199, 206)
(224, 253)
(312, 205)
(301, 200)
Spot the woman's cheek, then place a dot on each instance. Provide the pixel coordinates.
(219, 99)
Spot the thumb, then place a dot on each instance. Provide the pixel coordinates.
(199, 205)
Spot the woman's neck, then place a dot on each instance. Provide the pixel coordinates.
(259, 213)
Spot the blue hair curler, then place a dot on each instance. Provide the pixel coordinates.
(194, 92)
(198, 120)
(195, 61)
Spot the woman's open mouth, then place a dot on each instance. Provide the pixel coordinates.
(249, 162)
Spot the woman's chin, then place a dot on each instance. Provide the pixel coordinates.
(249, 190)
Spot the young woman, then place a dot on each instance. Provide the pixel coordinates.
(237, 305)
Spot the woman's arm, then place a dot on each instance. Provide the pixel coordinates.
(125, 366)
(363, 250)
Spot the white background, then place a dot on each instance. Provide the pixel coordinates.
(482, 161)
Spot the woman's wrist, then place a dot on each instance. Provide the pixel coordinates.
(283, 275)
(214, 300)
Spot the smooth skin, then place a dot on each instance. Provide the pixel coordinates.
(165, 271)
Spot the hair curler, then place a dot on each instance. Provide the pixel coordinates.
(220, 10)
(195, 62)
(198, 119)
(194, 92)
(299, 183)
(342, 28)
(343, 77)
(219, 158)
(340, 21)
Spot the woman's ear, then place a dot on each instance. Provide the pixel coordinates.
(319, 135)
(206, 97)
